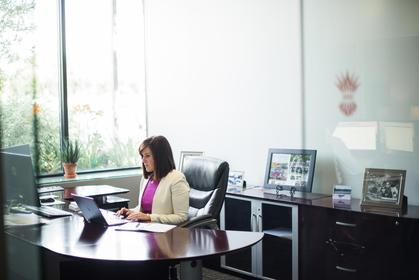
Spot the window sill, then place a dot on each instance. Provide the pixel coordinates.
(83, 178)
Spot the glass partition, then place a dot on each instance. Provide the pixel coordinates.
(361, 99)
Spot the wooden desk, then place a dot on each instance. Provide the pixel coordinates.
(70, 239)
(104, 195)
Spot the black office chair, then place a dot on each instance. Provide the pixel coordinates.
(207, 178)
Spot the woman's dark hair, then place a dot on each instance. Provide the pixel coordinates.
(162, 155)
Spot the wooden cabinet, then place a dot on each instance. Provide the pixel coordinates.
(410, 249)
(308, 238)
(276, 257)
(341, 244)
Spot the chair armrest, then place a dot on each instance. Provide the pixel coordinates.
(204, 221)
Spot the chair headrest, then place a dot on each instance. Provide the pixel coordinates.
(204, 173)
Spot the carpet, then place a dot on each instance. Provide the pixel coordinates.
(209, 274)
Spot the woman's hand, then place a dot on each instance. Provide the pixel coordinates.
(124, 212)
(133, 215)
(138, 216)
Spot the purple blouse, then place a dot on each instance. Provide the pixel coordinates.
(148, 195)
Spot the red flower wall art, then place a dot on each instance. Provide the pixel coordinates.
(347, 85)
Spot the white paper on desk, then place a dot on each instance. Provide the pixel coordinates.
(17, 219)
(151, 227)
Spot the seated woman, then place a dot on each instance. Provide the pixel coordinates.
(164, 191)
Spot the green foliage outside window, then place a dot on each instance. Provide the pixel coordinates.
(28, 107)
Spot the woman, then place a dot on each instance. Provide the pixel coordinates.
(164, 194)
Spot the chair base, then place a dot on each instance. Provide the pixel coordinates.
(191, 270)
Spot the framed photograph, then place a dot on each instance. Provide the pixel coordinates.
(235, 178)
(184, 154)
(290, 169)
(383, 188)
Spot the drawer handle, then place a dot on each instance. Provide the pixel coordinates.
(255, 224)
(346, 269)
(345, 224)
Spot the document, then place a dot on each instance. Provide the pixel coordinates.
(23, 220)
(150, 227)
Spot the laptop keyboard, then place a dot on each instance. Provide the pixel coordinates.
(48, 211)
(111, 218)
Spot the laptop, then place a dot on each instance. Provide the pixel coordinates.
(93, 214)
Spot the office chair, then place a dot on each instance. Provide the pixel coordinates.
(207, 178)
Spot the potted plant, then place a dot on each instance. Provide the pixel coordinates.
(69, 156)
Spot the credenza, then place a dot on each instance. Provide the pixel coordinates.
(308, 237)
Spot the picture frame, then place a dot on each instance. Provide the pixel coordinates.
(184, 154)
(290, 169)
(383, 188)
(235, 178)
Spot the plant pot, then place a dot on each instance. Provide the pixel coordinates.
(70, 170)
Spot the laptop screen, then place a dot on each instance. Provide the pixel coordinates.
(92, 214)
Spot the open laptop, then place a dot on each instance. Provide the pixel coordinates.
(92, 214)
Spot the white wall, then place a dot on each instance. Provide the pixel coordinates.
(224, 77)
(378, 42)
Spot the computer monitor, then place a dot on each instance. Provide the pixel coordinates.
(24, 149)
(18, 179)
(288, 169)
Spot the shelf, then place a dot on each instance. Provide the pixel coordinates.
(285, 233)
(83, 178)
(113, 202)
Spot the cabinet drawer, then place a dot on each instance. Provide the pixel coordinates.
(352, 245)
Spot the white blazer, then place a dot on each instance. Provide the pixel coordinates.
(171, 199)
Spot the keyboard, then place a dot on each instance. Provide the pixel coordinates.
(48, 211)
(112, 219)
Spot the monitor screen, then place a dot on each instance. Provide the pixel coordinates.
(18, 179)
(24, 149)
(290, 168)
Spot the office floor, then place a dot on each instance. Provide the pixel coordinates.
(209, 274)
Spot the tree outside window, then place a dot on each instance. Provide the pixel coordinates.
(105, 80)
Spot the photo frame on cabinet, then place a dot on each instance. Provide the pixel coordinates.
(235, 178)
(290, 169)
(184, 154)
(383, 188)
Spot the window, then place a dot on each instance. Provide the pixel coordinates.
(100, 97)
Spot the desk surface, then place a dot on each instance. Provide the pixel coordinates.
(70, 236)
(271, 195)
(93, 191)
